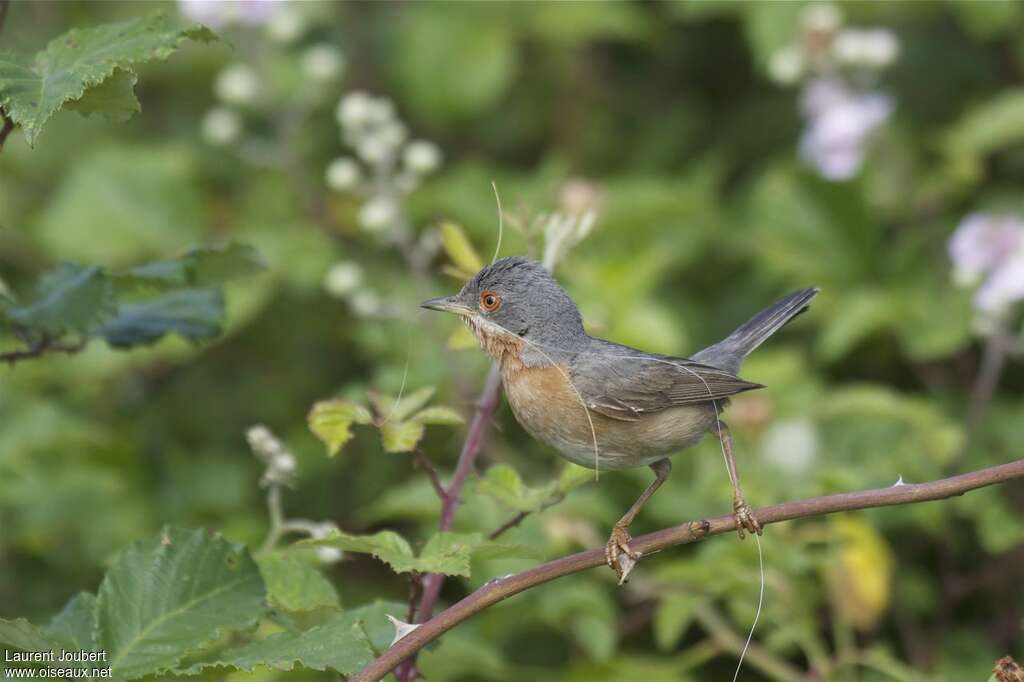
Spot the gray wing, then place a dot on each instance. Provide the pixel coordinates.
(625, 383)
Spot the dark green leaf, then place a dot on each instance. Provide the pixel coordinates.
(70, 298)
(114, 98)
(33, 88)
(75, 626)
(194, 314)
(294, 584)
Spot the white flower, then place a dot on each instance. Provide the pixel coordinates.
(579, 195)
(365, 303)
(218, 14)
(873, 48)
(322, 62)
(1003, 288)
(326, 555)
(375, 149)
(786, 65)
(791, 445)
(391, 133)
(840, 121)
(286, 26)
(280, 463)
(981, 243)
(422, 156)
(237, 84)
(343, 278)
(221, 126)
(284, 463)
(823, 18)
(359, 109)
(342, 174)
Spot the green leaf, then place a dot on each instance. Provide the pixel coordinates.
(573, 476)
(339, 644)
(399, 409)
(989, 127)
(70, 297)
(194, 314)
(200, 267)
(114, 98)
(33, 88)
(173, 594)
(503, 484)
(295, 584)
(21, 634)
(445, 552)
(374, 619)
(331, 421)
(401, 436)
(75, 626)
(460, 250)
(671, 617)
(438, 415)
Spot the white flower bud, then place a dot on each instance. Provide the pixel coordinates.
(874, 48)
(286, 26)
(422, 157)
(323, 62)
(365, 303)
(374, 149)
(377, 214)
(221, 126)
(382, 110)
(823, 18)
(329, 555)
(342, 174)
(786, 65)
(283, 463)
(237, 84)
(391, 133)
(343, 278)
(355, 109)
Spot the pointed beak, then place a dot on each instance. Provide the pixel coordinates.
(447, 304)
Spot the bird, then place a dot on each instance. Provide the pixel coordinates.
(601, 404)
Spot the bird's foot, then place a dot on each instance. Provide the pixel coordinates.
(619, 555)
(745, 519)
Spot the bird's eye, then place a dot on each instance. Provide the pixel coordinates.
(489, 301)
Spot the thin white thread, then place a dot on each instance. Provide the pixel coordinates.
(501, 221)
(405, 376)
(718, 424)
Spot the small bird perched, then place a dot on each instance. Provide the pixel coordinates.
(601, 404)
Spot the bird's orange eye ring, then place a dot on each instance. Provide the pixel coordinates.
(489, 301)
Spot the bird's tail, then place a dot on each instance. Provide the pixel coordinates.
(729, 353)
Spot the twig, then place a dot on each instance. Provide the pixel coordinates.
(489, 400)
(41, 347)
(498, 590)
(518, 518)
(428, 466)
(993, 361)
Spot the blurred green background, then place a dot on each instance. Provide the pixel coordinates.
(678, 126)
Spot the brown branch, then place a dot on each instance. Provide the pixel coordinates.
(39, 348)
(500, 589)
(518, 518)
(488, 403)
(435, 480)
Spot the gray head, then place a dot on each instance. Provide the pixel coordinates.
(517, 298)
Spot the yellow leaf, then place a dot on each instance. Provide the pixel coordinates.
(860, 576)
(331, 421)
(401, 436)
(459, 248)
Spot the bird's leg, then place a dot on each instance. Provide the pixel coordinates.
(617, 553)
(745, 519)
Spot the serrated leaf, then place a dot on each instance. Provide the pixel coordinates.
(331, 421)
(172, 594)
(445, 552)
(401, 436)
(23, 635)
(399, 409)
(374, 619)
(503, 484)
(339, 644)
(114, 98)
(70, 297)
(461, 338)
(199, 267)
(438, 415)
(460, 249)
(195, 314)
(75, 626)
(294, 584)
(33, 88)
